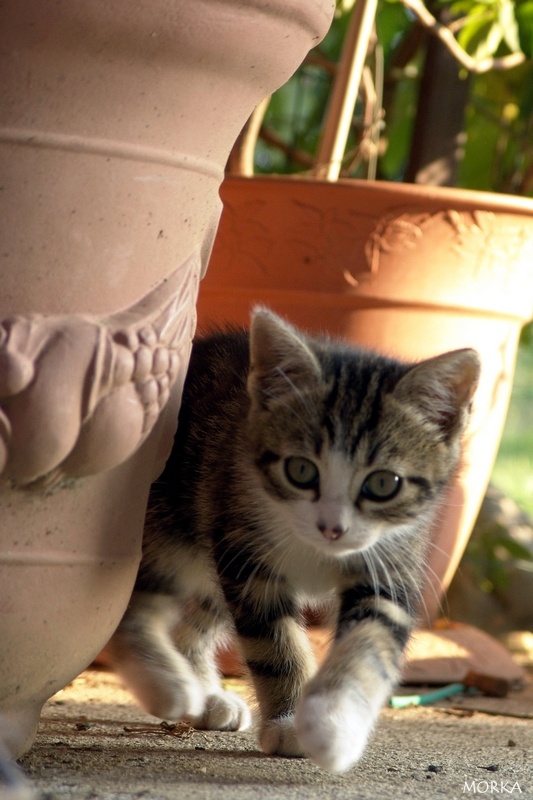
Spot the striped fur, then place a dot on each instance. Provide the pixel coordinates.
(303, 471)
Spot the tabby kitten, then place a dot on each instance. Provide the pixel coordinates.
(302, 470)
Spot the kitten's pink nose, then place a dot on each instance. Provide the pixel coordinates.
(331, 534)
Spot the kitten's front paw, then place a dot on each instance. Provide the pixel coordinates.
(225, 711)
(333, 728)
(278, 737)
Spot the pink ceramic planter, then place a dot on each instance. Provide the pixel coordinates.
(117, 121)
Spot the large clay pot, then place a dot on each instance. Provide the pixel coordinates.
(406, 270)
(116, 123)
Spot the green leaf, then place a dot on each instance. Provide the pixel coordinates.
(481, 35)
(467, 7)
(398, 129)
(494, 38)
(524, 19)
(392, 21)
(509, 25)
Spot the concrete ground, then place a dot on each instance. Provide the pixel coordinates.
(94, 743)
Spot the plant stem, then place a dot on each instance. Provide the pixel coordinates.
(447, 38)
(345, 89)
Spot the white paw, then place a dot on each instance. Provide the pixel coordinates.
(175, 698)
(333, 728)
(224, 711)
(165, 693)
(278, 737)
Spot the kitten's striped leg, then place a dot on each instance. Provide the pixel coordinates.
(280, 659)
(341, 704)
(204, 626)
(272, 639)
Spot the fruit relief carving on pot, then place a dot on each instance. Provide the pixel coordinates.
(100, 383)
(478, 236)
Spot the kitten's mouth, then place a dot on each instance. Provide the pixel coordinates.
(337, 546)
(341, 544)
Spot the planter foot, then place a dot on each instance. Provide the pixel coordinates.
(18, 728)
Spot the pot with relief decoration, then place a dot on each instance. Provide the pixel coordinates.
(113, 146)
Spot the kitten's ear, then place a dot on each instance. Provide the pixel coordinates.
(280, 359)
(442, 388)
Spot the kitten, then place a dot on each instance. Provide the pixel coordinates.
(302, 470)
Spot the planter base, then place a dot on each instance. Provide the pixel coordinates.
(18, 727)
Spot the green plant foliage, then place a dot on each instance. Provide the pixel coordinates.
(526, 337)
(498, 150)
(513, 471)
(392, 23)
(490, 556)
(524, 18)
(398, 129)
(295, 113)
(498, 140)
(488, 26)
(499, 125)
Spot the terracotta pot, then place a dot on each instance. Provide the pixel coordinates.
(116, 125)
(409, 271)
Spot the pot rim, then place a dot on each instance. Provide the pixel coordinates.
(402, 193)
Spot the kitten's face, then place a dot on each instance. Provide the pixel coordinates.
(341, 503)
(352, 449)
(340, 508)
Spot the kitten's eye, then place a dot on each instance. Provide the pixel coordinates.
(301, 472)
(381, 485)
